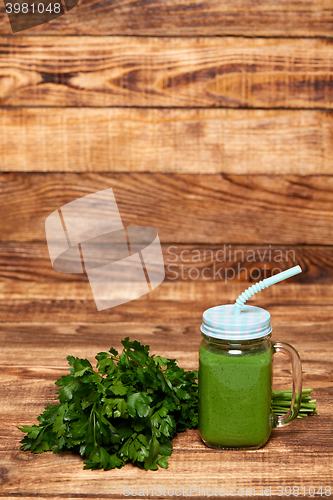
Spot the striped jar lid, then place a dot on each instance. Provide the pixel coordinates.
(220, 322)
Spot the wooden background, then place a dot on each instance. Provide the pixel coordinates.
(212, 122)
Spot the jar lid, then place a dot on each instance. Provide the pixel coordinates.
(220, 322)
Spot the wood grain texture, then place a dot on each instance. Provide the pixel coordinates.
(84, 312)
(32, 357)
(26, 270)
(183, 72)
(166, 140)
(184, 209)
(172, 330)
(179, 18)
(192, 465)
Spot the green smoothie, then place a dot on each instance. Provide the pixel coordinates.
(234, 396)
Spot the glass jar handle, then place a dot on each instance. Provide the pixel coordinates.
(280, 421)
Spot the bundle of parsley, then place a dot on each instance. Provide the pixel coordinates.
(127, 410)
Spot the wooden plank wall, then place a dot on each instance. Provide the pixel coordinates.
(212, 122)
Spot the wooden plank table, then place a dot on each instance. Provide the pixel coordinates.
(37, 334)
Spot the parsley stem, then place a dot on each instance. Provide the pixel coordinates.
(92, 413)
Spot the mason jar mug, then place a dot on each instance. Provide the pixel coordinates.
(235, 378)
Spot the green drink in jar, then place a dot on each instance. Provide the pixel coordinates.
(235, 374)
